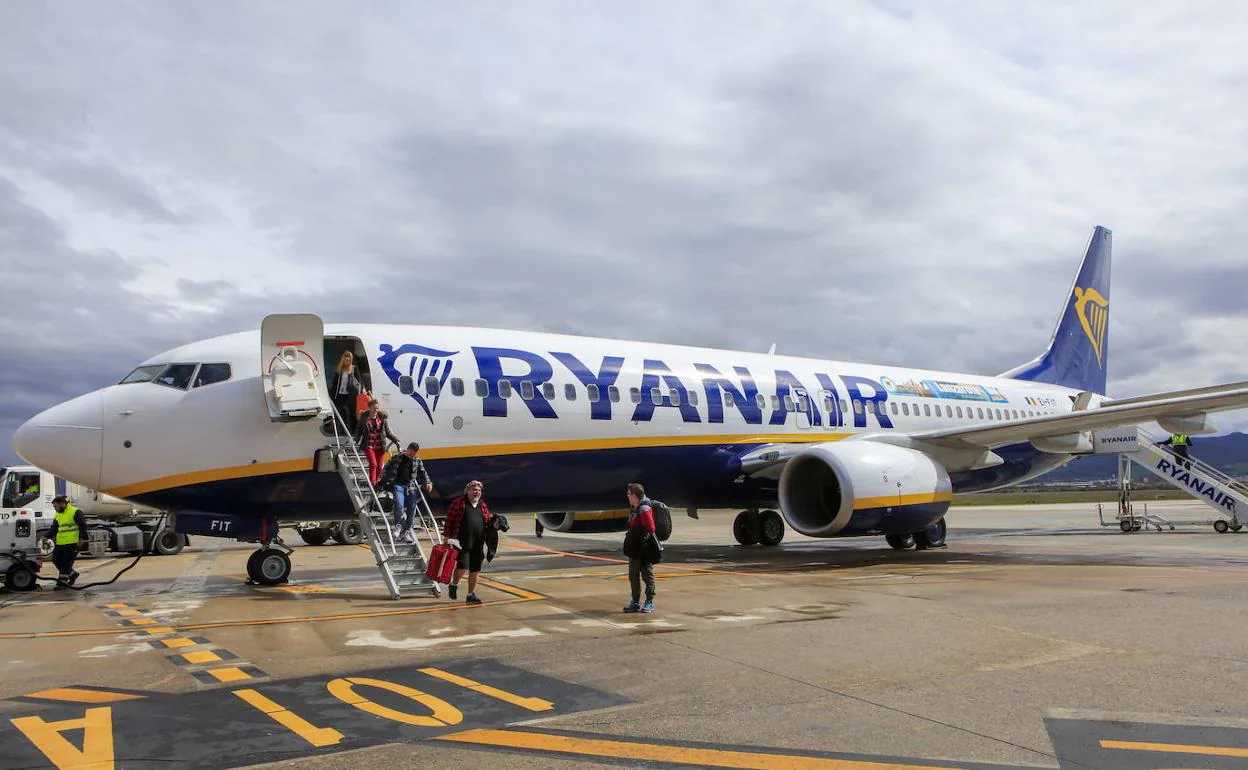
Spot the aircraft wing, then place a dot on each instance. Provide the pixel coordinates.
(968, 443)
(1110, 414)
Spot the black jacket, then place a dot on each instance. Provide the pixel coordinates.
(497, 522)
(390, 473)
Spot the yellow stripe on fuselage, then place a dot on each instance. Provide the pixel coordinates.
(481, 450)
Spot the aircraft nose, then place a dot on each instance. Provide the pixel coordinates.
(67, 440)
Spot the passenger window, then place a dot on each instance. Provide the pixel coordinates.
(802, 404)
(457, 386)
(432, 386)
(857, 406)
(635, 395)
(504, 388)
(591, 392)
(905, 409)
(979, 411)
(728, 400)
(675, 397)
(760, 401)
(843, 407)
(569, 392)
(526, 390)
(548, 390)
(827, 404)
(614, 393)
(959, 411)
(656, 397)
(483, 388)
(211, 374)
(927, 410)
(693, 398)
(176, 376)
(775, 402)
(788, 403)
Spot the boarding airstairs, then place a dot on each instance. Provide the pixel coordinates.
(1225, 494)
(402, 565)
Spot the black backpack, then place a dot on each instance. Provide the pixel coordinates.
(662, 519)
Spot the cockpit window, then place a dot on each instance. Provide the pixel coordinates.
(143, 374)
(176, 376)
(211, 374)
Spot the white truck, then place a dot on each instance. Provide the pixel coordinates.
(113, 525)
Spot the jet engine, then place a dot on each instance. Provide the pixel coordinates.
(584, 521)
(846, 488)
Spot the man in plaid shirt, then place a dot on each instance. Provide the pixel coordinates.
(464, 529)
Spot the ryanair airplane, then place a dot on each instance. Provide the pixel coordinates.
(213, 431)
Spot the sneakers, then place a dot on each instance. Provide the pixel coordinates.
(396, 534)
(648, 606)
(407, 536)
(632, 607)
(453, 591)
(472, 599)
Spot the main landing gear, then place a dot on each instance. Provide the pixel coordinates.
(932, 537)
(764, 527)
(270, 565)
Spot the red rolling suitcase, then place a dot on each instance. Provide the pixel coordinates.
(442, 563)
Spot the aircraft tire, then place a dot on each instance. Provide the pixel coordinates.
(770, 528)
(1221, 526)
(745, 527)
(314, 536)
(168, 543)
(19, 578)
(899, 542)
(932, 537)
(349, 532)
(271, 567)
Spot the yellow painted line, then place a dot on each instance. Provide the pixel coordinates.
(530, 704)
(889, 500)
(317, 736)
(141, 621)
(129, 613)
(178, 643)
(115, 605)
(654, 752)
(479, 450)
(75, 695)
(202, 656)
(158, 630)
(229, 674)
(1176, 748)
(96, 726)
(509, 589)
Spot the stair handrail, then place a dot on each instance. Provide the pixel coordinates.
(346, 444)
(1197, 464)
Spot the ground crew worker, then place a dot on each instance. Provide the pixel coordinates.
(67, 529)
(1181, 444)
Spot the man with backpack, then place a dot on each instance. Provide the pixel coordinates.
(638, 549)
(405, 475)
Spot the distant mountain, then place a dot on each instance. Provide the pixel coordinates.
(1228, 453)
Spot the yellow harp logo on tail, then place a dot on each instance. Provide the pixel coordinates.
(1093, 312)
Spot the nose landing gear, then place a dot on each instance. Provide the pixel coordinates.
(270, 565)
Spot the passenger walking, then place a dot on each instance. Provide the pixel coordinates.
(345, 390)
(405, 476)
(640, 527)
(371, 436)
(68, 527)
(466, 522)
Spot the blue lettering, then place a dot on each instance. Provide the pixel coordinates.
(604, 379)
(490, 365)
(872, 404)
(1163, 465)
(744, 398)
(1209, 492)
(835, 418)
(786, 383)
(654, 371)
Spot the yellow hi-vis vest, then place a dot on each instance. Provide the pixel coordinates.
(66, 528)
(1181, 439)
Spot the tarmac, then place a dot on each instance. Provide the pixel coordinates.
(1037, 638)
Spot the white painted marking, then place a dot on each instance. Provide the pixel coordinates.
(735, 618)
(115, 650)
(378, 639)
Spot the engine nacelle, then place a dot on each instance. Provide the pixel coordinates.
(1190, 424)
(584, 521)
(862, 487)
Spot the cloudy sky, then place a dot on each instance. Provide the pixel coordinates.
(896, 182)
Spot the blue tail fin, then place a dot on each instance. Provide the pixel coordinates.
(1078, 354)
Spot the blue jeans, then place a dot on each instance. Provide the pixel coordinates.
(404, 507)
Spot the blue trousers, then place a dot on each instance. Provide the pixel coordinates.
(404, 507)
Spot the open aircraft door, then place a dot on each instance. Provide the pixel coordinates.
(292, 367)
